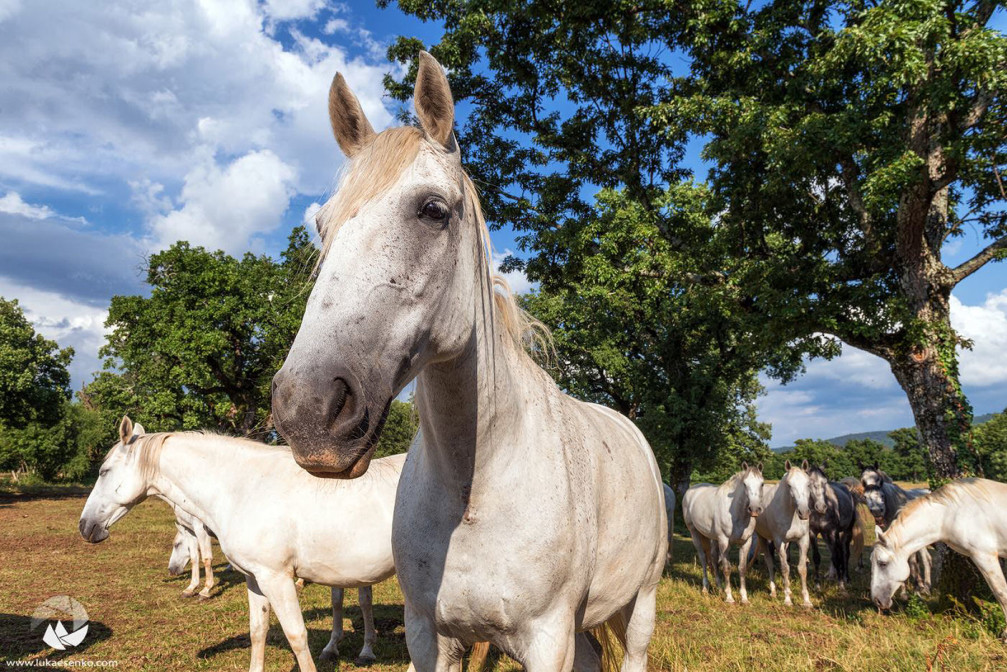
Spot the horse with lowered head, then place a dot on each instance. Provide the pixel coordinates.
(969, 515)
(719, 516)
(885, 499)
(523, 515)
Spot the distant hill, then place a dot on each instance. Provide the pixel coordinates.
(881, 436)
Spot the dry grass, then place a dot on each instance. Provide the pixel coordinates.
(139, 619)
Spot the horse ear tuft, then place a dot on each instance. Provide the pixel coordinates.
(349, 124)
(125, 430)
(432, 97)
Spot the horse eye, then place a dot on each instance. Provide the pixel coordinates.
(434, 210)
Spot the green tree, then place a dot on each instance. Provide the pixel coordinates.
(631, 332)
(912, 453)
(201, 350)
(991, 442)
(68, 449)
(400, 428)
(850, 141)
(34, 381)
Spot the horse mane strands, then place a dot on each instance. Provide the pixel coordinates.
(148, 449)
(527, 333)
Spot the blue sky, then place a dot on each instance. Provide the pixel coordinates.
(129, 125)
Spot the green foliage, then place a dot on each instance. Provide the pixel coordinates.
(70, 449)
(34, 381)
(400, 428)
(990, 440)
(201, 350)
(633, 331)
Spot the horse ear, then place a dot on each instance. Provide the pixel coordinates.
(876, 466)
(786, 466)
(860, 466)
(744, 465)
(880, 535)
(125, 430)
(349, 125)
(432, 97)
(759, 467)
(804, 465)
(138, 430)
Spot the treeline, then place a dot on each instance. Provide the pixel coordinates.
(198, 352)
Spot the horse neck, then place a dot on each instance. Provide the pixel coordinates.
(919, 527)
(470, 406)
(739, 503)
(782, 494)
(182, 479)
(895, 499)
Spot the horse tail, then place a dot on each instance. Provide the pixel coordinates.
(477, 659)
(611, 636)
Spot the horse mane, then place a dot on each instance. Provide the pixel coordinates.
(373, 171)
(147, 447)
(953, 493)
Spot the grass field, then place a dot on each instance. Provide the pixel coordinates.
(139, 619)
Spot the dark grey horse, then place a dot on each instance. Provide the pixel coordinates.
(833, 517)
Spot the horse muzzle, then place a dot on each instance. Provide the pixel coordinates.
(331, 424)
(92, 531)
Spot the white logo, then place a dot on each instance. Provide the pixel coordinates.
(55, 609)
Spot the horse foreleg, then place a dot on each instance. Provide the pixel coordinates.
(767, 555)
(331, 650)
(190, 590)
(723, 546)
(783, 555)
(282, 595)
(365, 597)
(258, 624)
(816, 557)
(429, 651)
(701, 547)
(743, 567)
(925, 567)
(802, 568)
(989, 566)
(206, 551)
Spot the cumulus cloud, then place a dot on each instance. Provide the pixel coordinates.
(985, 365)
(12, 203)
(144, 94)
(225, 208)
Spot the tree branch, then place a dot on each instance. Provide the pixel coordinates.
(849, 176)
(988, 253)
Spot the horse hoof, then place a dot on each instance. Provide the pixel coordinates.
(327, 655)
(363, 661)
(202, 597)
(188, 594)
(808, 605)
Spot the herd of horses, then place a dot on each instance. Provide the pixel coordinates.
(519, 517)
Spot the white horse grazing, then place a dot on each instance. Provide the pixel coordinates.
(786, 520)
(274, 521)
(669, 507)
(969, 515)
(885, 499)
(721, 516)
(523, 516)
(192, 542)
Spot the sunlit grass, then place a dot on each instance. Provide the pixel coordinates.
(139, 618)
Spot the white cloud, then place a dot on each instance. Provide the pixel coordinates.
(225, 208)
(517, 280)
(12, 203)
(141, 93)
(986, 325)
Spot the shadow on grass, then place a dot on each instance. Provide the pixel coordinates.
(390, 647)
(19, 641)
(223, 580)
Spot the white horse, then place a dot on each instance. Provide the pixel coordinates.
(969, 515)
(669, 507)
(192, 543)
(786, 520)
(885, 499)
(523, 516)
(274, 521)
(721, 516)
